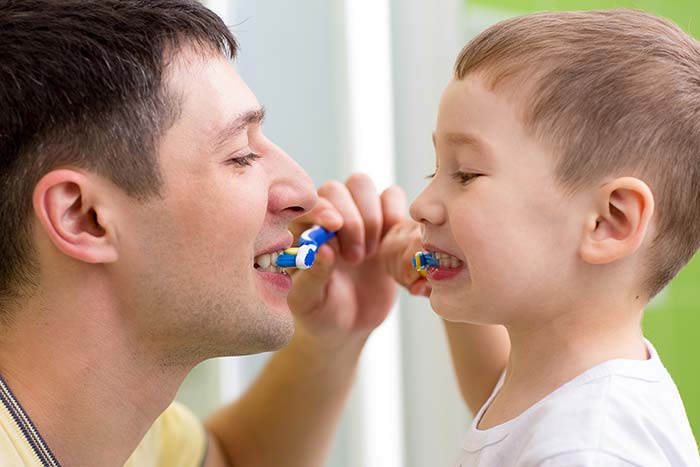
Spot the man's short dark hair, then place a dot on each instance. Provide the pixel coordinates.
(82, 84)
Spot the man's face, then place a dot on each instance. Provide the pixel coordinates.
(494, 205)
(188, 258)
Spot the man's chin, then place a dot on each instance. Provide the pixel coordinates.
(282, 341)
(266, 335)
(277, 334)
(276, 329)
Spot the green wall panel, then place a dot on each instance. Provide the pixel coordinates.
(672, 320)
(686, 13)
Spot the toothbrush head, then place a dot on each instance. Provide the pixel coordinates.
(302, 257)
(422, 260)
(286, 260)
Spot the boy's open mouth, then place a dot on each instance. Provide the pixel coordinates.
(447, 261)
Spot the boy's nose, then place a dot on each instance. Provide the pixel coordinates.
(427, 209)
(292, 193)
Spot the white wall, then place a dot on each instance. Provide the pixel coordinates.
(426, 39)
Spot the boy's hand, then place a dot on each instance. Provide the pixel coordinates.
(347, 293)
(399, 245)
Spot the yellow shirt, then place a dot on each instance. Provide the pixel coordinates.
(176, 439)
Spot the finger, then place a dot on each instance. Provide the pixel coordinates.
(351, 237)
(364, 193)
(413, 242)
(393, 201)
(309, 286)
(420, 287)
(407, 274)
(397, 248)
(323, 214)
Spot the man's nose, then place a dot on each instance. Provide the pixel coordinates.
(292, 192)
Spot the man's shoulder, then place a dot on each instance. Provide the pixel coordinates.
(176, 438)
(14, 447)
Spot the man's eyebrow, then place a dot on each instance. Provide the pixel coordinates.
(464, 139)
(250, 117)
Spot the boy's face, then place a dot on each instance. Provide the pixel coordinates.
(494, 205)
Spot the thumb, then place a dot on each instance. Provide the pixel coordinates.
(309, 286)
(420, 287)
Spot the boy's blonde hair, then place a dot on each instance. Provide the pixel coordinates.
(609, 93)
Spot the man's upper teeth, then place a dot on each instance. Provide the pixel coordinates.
(268, 259)
(263, 260)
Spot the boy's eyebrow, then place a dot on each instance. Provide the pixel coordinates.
(233, 128)
(464, 139)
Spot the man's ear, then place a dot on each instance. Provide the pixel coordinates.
(67, 204)
(618, 222)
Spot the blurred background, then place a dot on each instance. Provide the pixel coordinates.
(354, 85)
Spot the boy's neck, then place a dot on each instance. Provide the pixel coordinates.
(544, 357)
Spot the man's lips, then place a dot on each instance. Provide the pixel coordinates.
(266, 258)
(279, 245)
(280, 281)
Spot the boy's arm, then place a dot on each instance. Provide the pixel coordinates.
(289, 415)
(479, 353)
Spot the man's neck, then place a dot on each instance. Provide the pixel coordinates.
(545, 357)
(91, 389)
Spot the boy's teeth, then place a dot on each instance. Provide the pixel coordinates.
(447, 261)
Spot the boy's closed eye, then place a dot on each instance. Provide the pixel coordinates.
(460, 176)
(464, 177)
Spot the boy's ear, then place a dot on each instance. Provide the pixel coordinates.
(619, 221)
(68, 207)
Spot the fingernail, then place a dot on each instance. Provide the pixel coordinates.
(425, 291)
(332, 218)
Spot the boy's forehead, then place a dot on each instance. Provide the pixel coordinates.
(481, 122)
(457, 140)
(470, 113)
(479, 88)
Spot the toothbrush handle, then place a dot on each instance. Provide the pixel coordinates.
(316, 235)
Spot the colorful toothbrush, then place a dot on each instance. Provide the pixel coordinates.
(422, 260)
(303, 256)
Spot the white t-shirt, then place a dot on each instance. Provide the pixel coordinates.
(618, 413)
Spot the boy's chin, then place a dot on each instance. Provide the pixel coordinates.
(455, 312)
